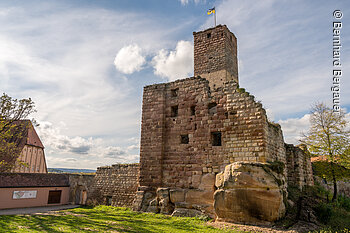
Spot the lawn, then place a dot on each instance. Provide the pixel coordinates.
(102, 219)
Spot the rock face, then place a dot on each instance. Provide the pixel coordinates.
(180, 202)
(249, 193)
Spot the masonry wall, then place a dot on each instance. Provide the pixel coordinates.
(115, 185)
(215, 55)
(298, 166)
(192, 128)
(81, 187)
(275, 149)
(168, 162)
(152, 135)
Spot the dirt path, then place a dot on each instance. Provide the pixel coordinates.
(297, 228)
(34, 210)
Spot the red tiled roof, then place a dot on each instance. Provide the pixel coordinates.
(318, 158)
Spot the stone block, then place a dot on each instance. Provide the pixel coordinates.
(196, 179)
(177, 195)
(207, 182)
(196, 196)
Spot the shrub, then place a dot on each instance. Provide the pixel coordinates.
(324, 212)
(343, 202)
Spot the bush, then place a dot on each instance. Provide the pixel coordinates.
(324, 212)
(343, 202)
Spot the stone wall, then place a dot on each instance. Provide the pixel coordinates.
(178, 148)
(115, 185)
(190, 130)
(81, 187)
(193, 128)
(298, 166)
(215, 55)
(275, 150)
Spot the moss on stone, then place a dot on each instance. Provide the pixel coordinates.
(241, 90)
(276, 166)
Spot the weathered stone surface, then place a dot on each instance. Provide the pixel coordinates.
(182, 212)
(115, 185)
(201, 200)
(177, 195)
(153, 206)
(166, 207)
(249, 193)
(80, 184)
(196, 196)
(299, 162)
(207, 182)
(185, 205)
(192, 128)
(147, 198)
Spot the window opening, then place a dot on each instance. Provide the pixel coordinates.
(174, 92)
(184, 139)
(216, 138)
(193, 110)
(174, 111)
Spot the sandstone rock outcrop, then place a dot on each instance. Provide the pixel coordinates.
(249, 193)
(180, 202)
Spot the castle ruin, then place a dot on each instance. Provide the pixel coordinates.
(207, 146)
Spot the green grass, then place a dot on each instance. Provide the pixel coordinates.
(102, 219)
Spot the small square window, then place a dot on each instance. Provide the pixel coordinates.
(184, 139)
(174, 92)
(193, 110)
(208, 35)
(216, 138)
(174, 111)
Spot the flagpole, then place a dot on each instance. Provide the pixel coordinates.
(215, 17)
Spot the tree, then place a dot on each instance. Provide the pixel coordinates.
(13, 112)
(328, 136)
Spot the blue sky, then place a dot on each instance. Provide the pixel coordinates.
(84, 63)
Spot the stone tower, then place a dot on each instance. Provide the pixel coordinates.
(208, 147)
(215, 55)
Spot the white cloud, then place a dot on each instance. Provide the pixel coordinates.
(284, 65)
(293, 127)
(129, 59)
(65, 151)
(175, 64)
(185, 2)
(53, 138)
(61, 56)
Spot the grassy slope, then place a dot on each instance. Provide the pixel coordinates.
(102, 219)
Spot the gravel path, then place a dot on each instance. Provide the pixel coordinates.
(35, 210)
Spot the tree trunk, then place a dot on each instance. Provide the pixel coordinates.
(335, 189)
